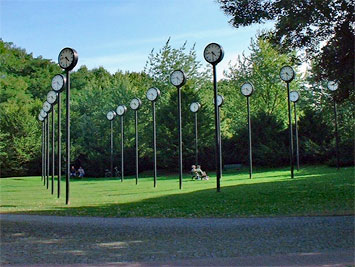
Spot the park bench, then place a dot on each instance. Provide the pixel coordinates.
(234, 166)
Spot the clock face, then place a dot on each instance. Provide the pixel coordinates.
(111, 115)
(177, 78)
(43, 113)
(67, 58)
(121, 110)
(153, 94)
(40, 118)
(195, 106)
(51, 97)
(287, 74)
(135, 103)
(213, 53)
(332, 86)
(247, 89)
(220, 100)
(58, 83)
(46, 106)
(294, 96)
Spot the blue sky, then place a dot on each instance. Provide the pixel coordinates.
(119, 34)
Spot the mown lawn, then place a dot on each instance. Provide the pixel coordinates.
(315, 190)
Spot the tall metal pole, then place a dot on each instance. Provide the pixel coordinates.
(47, 152)
(136, 129)
(59, 145)
(180, 137)
(196, 141)
(67, 177)
(290, 128)
(122, 152)
(111, 144)
(42, 151)
(297, 145)
(154, 147)
(336, 133)
(249, 133)
(53, 152)
(218, 132)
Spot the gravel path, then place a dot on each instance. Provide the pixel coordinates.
(48, 240)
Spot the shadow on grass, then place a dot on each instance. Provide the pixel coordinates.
(314, 191)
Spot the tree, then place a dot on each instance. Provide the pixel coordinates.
(323, 28)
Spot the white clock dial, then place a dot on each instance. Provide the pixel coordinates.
(294, 96)
(177, 78)
(43, 113)
(213, 53)
(332, 86)
(46, 106)
(111, 115)
(287, 73)
(67, 58)
(220, 100)
(40, 118)
(51, 97)
(247, 89)
(135, 103)
(153, 94)
(194, 107)
(121, 110)
(58, 83)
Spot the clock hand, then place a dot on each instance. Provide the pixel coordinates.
(67, 59)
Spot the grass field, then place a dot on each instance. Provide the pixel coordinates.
(315, 190)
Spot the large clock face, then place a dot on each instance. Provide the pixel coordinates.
(247, 89)
(287, 74)
(332, 86)
(51, 97)
(195, 106)
(153, 94)
(46, 106)
(40, 118)
(68, 58)
(294, 96)
(177, 78)
(111, 115)
(213, 53)
(43, 113)
(135, 103)
(58, 83)
(121, 110)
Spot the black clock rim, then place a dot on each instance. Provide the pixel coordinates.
(219, 58)
(139, 105)
(64, 83)
(293, 71)
(183, 79)
(75, 59)
(158, 94)
(252, 91)
(125, 110)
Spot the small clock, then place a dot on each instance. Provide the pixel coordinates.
(332, 85)
(46, 106)
(121, 110)
(135, 103)
(194, 107)
(153, 94)
(52, 97)
(247, 89)
(111, 115)
(40, 118)
(58, 83)
(68, 58)
(220, 100)
(213, 53)
(287, 73)
(43, 114)
(294, 96)
(177, 78)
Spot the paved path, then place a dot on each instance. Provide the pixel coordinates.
(48, 240)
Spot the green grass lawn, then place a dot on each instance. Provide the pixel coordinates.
(315, 190)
